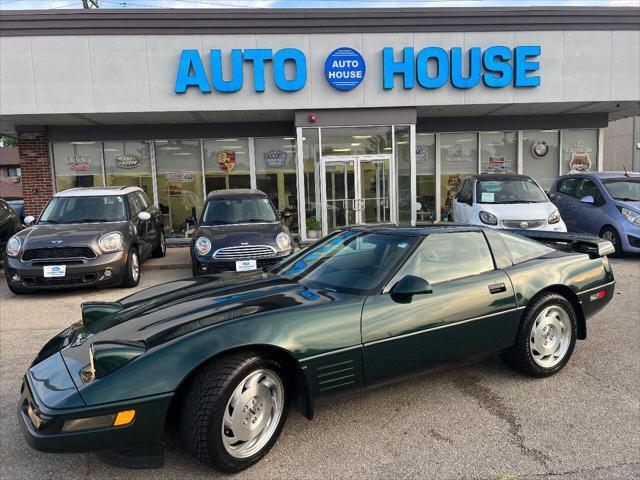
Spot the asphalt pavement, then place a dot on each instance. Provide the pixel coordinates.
(479, 421)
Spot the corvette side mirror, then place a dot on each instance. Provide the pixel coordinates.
(408, 286)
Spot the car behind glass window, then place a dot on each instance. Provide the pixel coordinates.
(109, 208)
(523, 249)
(442, 257)
(349, 262)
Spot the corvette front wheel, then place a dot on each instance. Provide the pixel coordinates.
(234, 411)
(546, 338)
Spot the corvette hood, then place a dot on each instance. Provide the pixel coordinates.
(167, 312)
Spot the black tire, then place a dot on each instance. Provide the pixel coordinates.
(130, 279)
(160, 248)
(614, 238)
(204, 404)
(521, 357)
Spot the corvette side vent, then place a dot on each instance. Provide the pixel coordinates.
(335, 375)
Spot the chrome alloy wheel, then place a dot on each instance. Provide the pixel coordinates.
(135, 266)
(550, 336)
(253, 413)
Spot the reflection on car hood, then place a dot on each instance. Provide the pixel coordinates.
(72, 235)
(631, 205)
(519, 211)
(252, 233)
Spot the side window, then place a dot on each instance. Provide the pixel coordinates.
(466, 194)
(143, 200)
(568, 186)
(523, 249)
(588, 187)
(134, 206)
(443, 257)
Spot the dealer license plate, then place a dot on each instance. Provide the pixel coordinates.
(246, 265)
(55, 271)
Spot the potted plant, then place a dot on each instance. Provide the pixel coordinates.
(314, 227)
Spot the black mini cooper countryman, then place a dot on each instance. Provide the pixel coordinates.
(239, 230)
(86, 237)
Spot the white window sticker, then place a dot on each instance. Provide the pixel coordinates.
(487, 196)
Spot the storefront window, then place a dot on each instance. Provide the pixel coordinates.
(498, 152)
(426, 177)
(179, 177)
(311, 158)
(403, 169)
(226, 164)
(129, 164)
(78, 164)
(458, 160)
(579, 151)
(356, 141)
(276, 172)
(540, 156)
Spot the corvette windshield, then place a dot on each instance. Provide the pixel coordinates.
(349, 262)
(624, 189)
(510, 190)
(109, 208)
(225, 211)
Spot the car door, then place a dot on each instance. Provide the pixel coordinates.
(564, 199)
(471, 310)
(462, 204)
(588, 215)
(135, 207)
(151, 233)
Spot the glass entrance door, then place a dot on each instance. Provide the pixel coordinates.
(355, 190)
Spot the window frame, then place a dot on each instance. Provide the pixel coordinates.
(598, 200)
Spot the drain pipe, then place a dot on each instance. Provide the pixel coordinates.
(634, 143)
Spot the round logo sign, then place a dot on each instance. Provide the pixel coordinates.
(344, 68)
(540, 149)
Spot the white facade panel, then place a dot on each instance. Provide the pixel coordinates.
(124, 59)
(625, 65)
(587, 66)
(62, 74)
(551, 67)
(17, 92)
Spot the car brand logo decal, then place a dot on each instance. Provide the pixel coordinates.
(57, 242)
(524, 225)
(244, 243)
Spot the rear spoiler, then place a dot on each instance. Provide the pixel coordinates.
(590, 244)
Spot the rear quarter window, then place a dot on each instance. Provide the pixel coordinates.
(523, 249)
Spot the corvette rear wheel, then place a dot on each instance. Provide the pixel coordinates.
(546, 338)
(234, 411)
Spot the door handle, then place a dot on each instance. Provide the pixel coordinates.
(497, 288)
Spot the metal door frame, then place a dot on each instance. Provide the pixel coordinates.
(357, 187)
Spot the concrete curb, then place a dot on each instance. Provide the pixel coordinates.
(165, 266)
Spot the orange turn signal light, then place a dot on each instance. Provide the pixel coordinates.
(124, 418)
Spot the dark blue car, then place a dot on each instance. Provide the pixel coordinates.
(603, 203)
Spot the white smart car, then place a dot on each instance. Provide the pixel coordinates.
(505, 201)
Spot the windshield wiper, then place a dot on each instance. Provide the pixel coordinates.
(88, 220)
(215, 222)
(627, 199)
(254, 220)
(49, 221)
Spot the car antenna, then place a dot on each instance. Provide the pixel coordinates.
(626, 174)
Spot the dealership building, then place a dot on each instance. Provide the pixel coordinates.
(341, 116)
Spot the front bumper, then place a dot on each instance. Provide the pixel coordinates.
(146, 429)
(206, 265)
(81, 272)
(630, 243)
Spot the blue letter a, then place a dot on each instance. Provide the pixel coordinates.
(191, 59)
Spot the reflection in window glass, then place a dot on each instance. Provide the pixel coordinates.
(107, 208)
(226, 164)
(311, 158)
(437, 259)
(498, 152)
(426, 177)
(179, 176)
(356, 141)
(458, 160)
(579, 151)
(403, 167)
(523, 249)
(77, 164)
(128, 164)
(276, 173)
(540, 156)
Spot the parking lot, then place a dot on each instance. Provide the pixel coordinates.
(478, 421)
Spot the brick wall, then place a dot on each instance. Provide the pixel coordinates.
(36, 171)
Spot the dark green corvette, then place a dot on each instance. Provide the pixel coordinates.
(225, 355)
